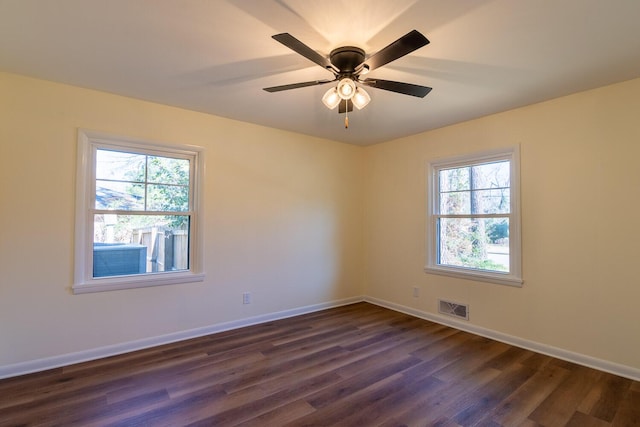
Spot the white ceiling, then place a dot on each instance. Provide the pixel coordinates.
(215, 56)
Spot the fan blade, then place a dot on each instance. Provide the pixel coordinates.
(345, 107)
(297, 46)
(297, 85)
(399, 87)
(406, 44)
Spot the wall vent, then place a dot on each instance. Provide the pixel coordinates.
(461, 311)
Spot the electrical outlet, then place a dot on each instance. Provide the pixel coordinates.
(246, 298)
(416, 292)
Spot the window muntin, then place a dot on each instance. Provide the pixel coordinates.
(136, 214)
(473, 217)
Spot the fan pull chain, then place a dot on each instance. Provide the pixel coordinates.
(346, 114)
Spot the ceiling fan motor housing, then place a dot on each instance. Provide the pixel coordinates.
(346, 59)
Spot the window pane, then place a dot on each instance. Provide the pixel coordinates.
(167, 198)
(481, 244)
(491, 201)
(165, 170)
(119, 166)
(137, 244)
(491, 175)
(479, 189)
(454, 179)
(455, 203)
(119, 195)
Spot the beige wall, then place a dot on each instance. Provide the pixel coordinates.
(300, 221)
(282, 221)
(580, 226)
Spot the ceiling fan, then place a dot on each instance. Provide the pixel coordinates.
(348, 64)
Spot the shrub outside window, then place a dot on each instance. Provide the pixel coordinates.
(473, 217)
(136, 214)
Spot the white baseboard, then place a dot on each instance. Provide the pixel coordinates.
(559, 353)
(44, 364)
(112, 350)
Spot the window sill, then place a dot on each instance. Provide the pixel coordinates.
(497, 278)
(134, 282)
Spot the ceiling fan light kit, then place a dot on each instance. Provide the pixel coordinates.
(346, 88)
(348, 63)
(331, 98)
(360, 98)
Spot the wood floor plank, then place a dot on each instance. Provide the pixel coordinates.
(529, 423)
(355, 365)
(489, 396)
(268, 370)
(479, 351)
(337, 412)
(628, 414)
(281, 415)
(443, 401)
(516, 408)
(247, 410)
(558, 408)
(399, 397)
(603, 399)
(579, 419)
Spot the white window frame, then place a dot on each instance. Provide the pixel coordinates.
(514, 276)
(88, 143)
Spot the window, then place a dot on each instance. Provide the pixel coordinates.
(473, 217)
(136, 214)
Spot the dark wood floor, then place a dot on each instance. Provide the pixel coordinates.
(357, 365)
